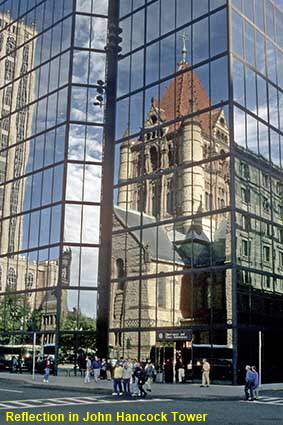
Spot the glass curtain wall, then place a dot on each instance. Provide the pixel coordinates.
(52, 54)
(171, 246)
(257, 62)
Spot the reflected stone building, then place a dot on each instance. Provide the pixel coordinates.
(51, 56)
(196, 265)
(18, 273)
(15, 128)
(165, 193)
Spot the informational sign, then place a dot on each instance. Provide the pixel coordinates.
(182, 335)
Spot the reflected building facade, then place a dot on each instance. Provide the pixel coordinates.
(52, 54)
(197, 220)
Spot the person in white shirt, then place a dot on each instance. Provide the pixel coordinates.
(205, 373)
(87, 370)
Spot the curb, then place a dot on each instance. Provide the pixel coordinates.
(108, 392)
(102, 391)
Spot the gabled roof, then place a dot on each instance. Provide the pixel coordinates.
(154, 239)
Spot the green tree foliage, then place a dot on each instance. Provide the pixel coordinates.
(16, 315)
(76, 342)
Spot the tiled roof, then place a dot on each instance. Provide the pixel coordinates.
(184, 95)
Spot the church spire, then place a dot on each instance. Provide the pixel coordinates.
(184, 50)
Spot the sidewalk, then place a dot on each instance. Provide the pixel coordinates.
(186, 391)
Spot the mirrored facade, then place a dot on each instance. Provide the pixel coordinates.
(196, 245)
(51, 56)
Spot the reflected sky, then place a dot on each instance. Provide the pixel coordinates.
(34, 92)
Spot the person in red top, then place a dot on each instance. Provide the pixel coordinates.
(46, 369)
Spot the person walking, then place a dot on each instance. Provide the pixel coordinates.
(180, 369)
(140, 374)
(150, 374)
(205, 373)
(136, 367)
(87, 370)
(96, 366)
(256, 383)
(19, 364)
(14, 365)
(250, 382)
(108, 370)
(47, 366)
(117, 379)
(103, 369)
(127, 374)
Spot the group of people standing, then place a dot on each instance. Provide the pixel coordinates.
(96, 368)
(252, 383)
(137, 378)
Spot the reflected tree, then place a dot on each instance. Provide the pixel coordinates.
(16, 315)
(71, 345)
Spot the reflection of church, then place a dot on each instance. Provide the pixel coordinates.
(161, 191)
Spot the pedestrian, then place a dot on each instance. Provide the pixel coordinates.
(250, 382)
(136, 367)
(140, 374)
(168, 370)
(19, 364)
(14, 365)
(96, 366)
(256, 383)
(87, 370)
(81, 361)
(180, 369)
(150, 374)
(117, 379)
(127, 374)
(205, 373)
(103, 369)
(109, 370)
(47, 369)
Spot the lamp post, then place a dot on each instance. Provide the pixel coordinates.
(259, 357)
(106, 213)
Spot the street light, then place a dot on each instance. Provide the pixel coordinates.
(101, 89)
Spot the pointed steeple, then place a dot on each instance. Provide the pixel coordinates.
(184, 51)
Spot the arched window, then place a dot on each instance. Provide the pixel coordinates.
(170, 198)
(121, 273)
(161, 292)
(10, 46)
(156, 199)
(141, 198)
(12, 278)
(170, 156)
(153, 119)
(120, 268)
(29, 280)
(141, 164)
(9, 70)
(1, 41)
(154, 158)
